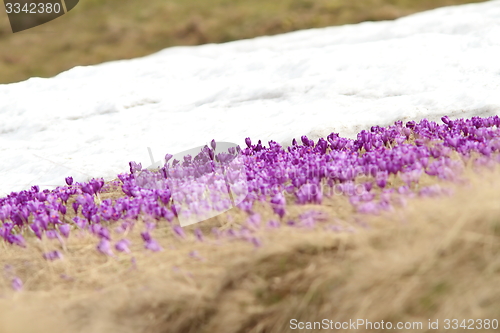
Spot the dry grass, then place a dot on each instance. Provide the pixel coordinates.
(96, 31)
(436, 258)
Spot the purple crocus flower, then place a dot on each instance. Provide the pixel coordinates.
(81, 223)
(123, 245)
(168, 157)
(97, 185)
(125, 226)
(62, 209)
(95, 218)
(69, 181)
(52, 234)
(85, 200)
(135, 167)
(273, 224)
(36, 229)
(54, 216)
(18, 239)
(368, 208)
(88, 189)
(17, 284)
(179, 231)
(199, 234)
(104, 233)
(5, 211)
(196, 255)
(150, 226)
(105, 247)
(52, 255)
(75, 206)
(278, 199)
(254, 220)
(211, 154)
(309, 193)
(256, 242)
(153, 245)
(232, 233)
(278, 204)
(216, 232)
(381, 182)
(305, 140)
(280, 211)
(146, 236)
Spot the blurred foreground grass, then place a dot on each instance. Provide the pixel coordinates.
(97, 31)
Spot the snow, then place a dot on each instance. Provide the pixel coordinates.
(91, 121)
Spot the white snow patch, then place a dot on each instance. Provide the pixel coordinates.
(91, 121)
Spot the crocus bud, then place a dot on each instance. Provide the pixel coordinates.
(87, 188)
(64, 229)
(16, 239)
(179, 231)
(146, 236)
(17, 284)
(123, 246)
(104, 247)
(256, 242)
(64, 196)
(69, 181)
(36, 230)
(51, 234)
(52, 255)
(199, 234)
(75, 206)
(153, 245)
(382, 182)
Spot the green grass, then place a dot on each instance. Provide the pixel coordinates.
(97, 31)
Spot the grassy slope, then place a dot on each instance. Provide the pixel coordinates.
(96, 30)
(433, 259)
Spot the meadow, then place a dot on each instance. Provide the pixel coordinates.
(402, 227)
